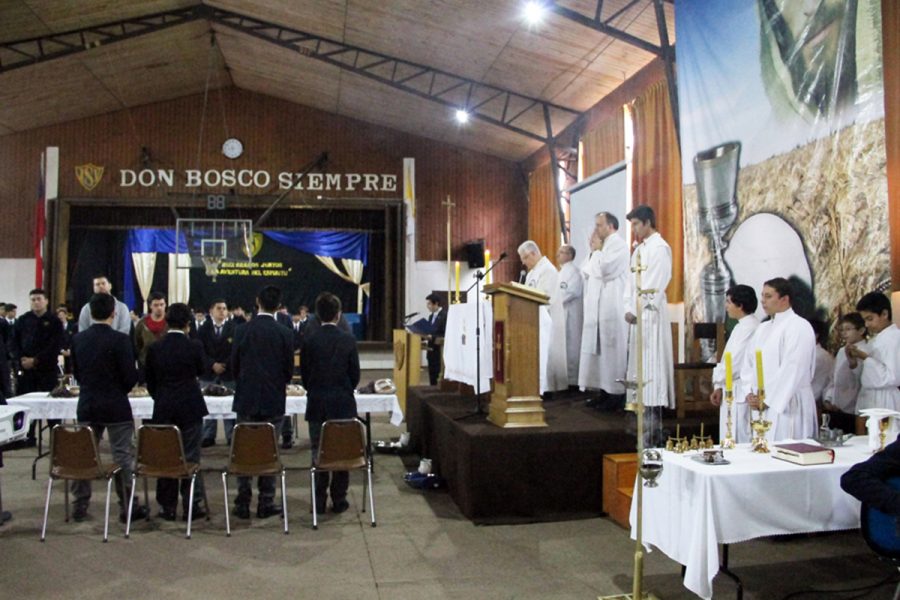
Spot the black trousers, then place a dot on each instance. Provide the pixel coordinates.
(333, 482)
(265, 485)
(434, 365)
(167, 489)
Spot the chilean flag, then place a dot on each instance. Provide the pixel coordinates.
(47, 190)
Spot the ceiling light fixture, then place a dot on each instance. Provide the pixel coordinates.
(462, 116)
(534, 12)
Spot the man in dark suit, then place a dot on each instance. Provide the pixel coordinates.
(262, 360)
(330, 368)
(173, 365)
(103, 364)
(70, 328)
(868, 481)
(37, 340)
(435, 342)
(217, 334)
(299, 321)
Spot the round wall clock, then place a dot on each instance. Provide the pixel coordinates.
(232, 148)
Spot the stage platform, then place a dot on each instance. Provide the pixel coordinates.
(516, 475)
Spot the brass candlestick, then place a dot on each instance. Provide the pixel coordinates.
(760, 426)
(728, 442)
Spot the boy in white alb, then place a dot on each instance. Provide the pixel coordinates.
(881, 366)
(740, 304)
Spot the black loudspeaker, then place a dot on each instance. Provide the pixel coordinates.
(475, 254)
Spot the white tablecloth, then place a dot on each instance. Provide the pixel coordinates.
(696, 506)
(459, 344)
(44, 407)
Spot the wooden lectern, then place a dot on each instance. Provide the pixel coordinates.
(407, 363)
(516, 398)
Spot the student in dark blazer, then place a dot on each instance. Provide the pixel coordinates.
(435, 341)
(217, 334)
(103, 364)
(262, 360)
(330, 369)
(174, 364)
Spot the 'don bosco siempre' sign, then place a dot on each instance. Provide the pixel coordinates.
(90, 176)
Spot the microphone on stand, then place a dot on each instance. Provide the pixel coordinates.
(410, 316)
(522, 275)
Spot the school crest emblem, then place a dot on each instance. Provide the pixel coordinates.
(89, 175)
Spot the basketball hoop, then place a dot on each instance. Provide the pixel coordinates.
(211, 264)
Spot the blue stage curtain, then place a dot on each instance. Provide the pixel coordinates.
(336, 244)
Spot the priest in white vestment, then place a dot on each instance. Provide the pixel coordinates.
(659, 364)
(740, 304)
(544, 276)
(571, 290)
(604, 337)
(788, 346)
(881, 365)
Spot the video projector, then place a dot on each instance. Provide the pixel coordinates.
(13, 423)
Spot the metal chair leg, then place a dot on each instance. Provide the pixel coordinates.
(312, 485)
(106, 519)
(190, 514)
(47, 507)
(371, 494)
(227, 512)
(365, 488)
(284, 511)
(130, 505)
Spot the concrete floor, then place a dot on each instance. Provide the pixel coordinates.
(422, 548)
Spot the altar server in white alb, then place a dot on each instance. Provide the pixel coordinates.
(544, 276)
(740, 304)
(656, 260)
(571, 291)
(605, 334)
(881, 365)
(788, 346)
(840, 397)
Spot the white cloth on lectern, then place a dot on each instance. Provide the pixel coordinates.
(459, 344)
(881, 371)
(571, 290)
(788, 346)
(460, 339)
(545, 277)
(737, 345)
(604, 337)
(659, 363)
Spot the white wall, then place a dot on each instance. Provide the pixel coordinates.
(427, 276)
(16, 280)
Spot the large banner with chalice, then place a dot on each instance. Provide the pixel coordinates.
(782, 132)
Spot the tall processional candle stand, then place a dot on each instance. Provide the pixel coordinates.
(728, 442)
(648, 474)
